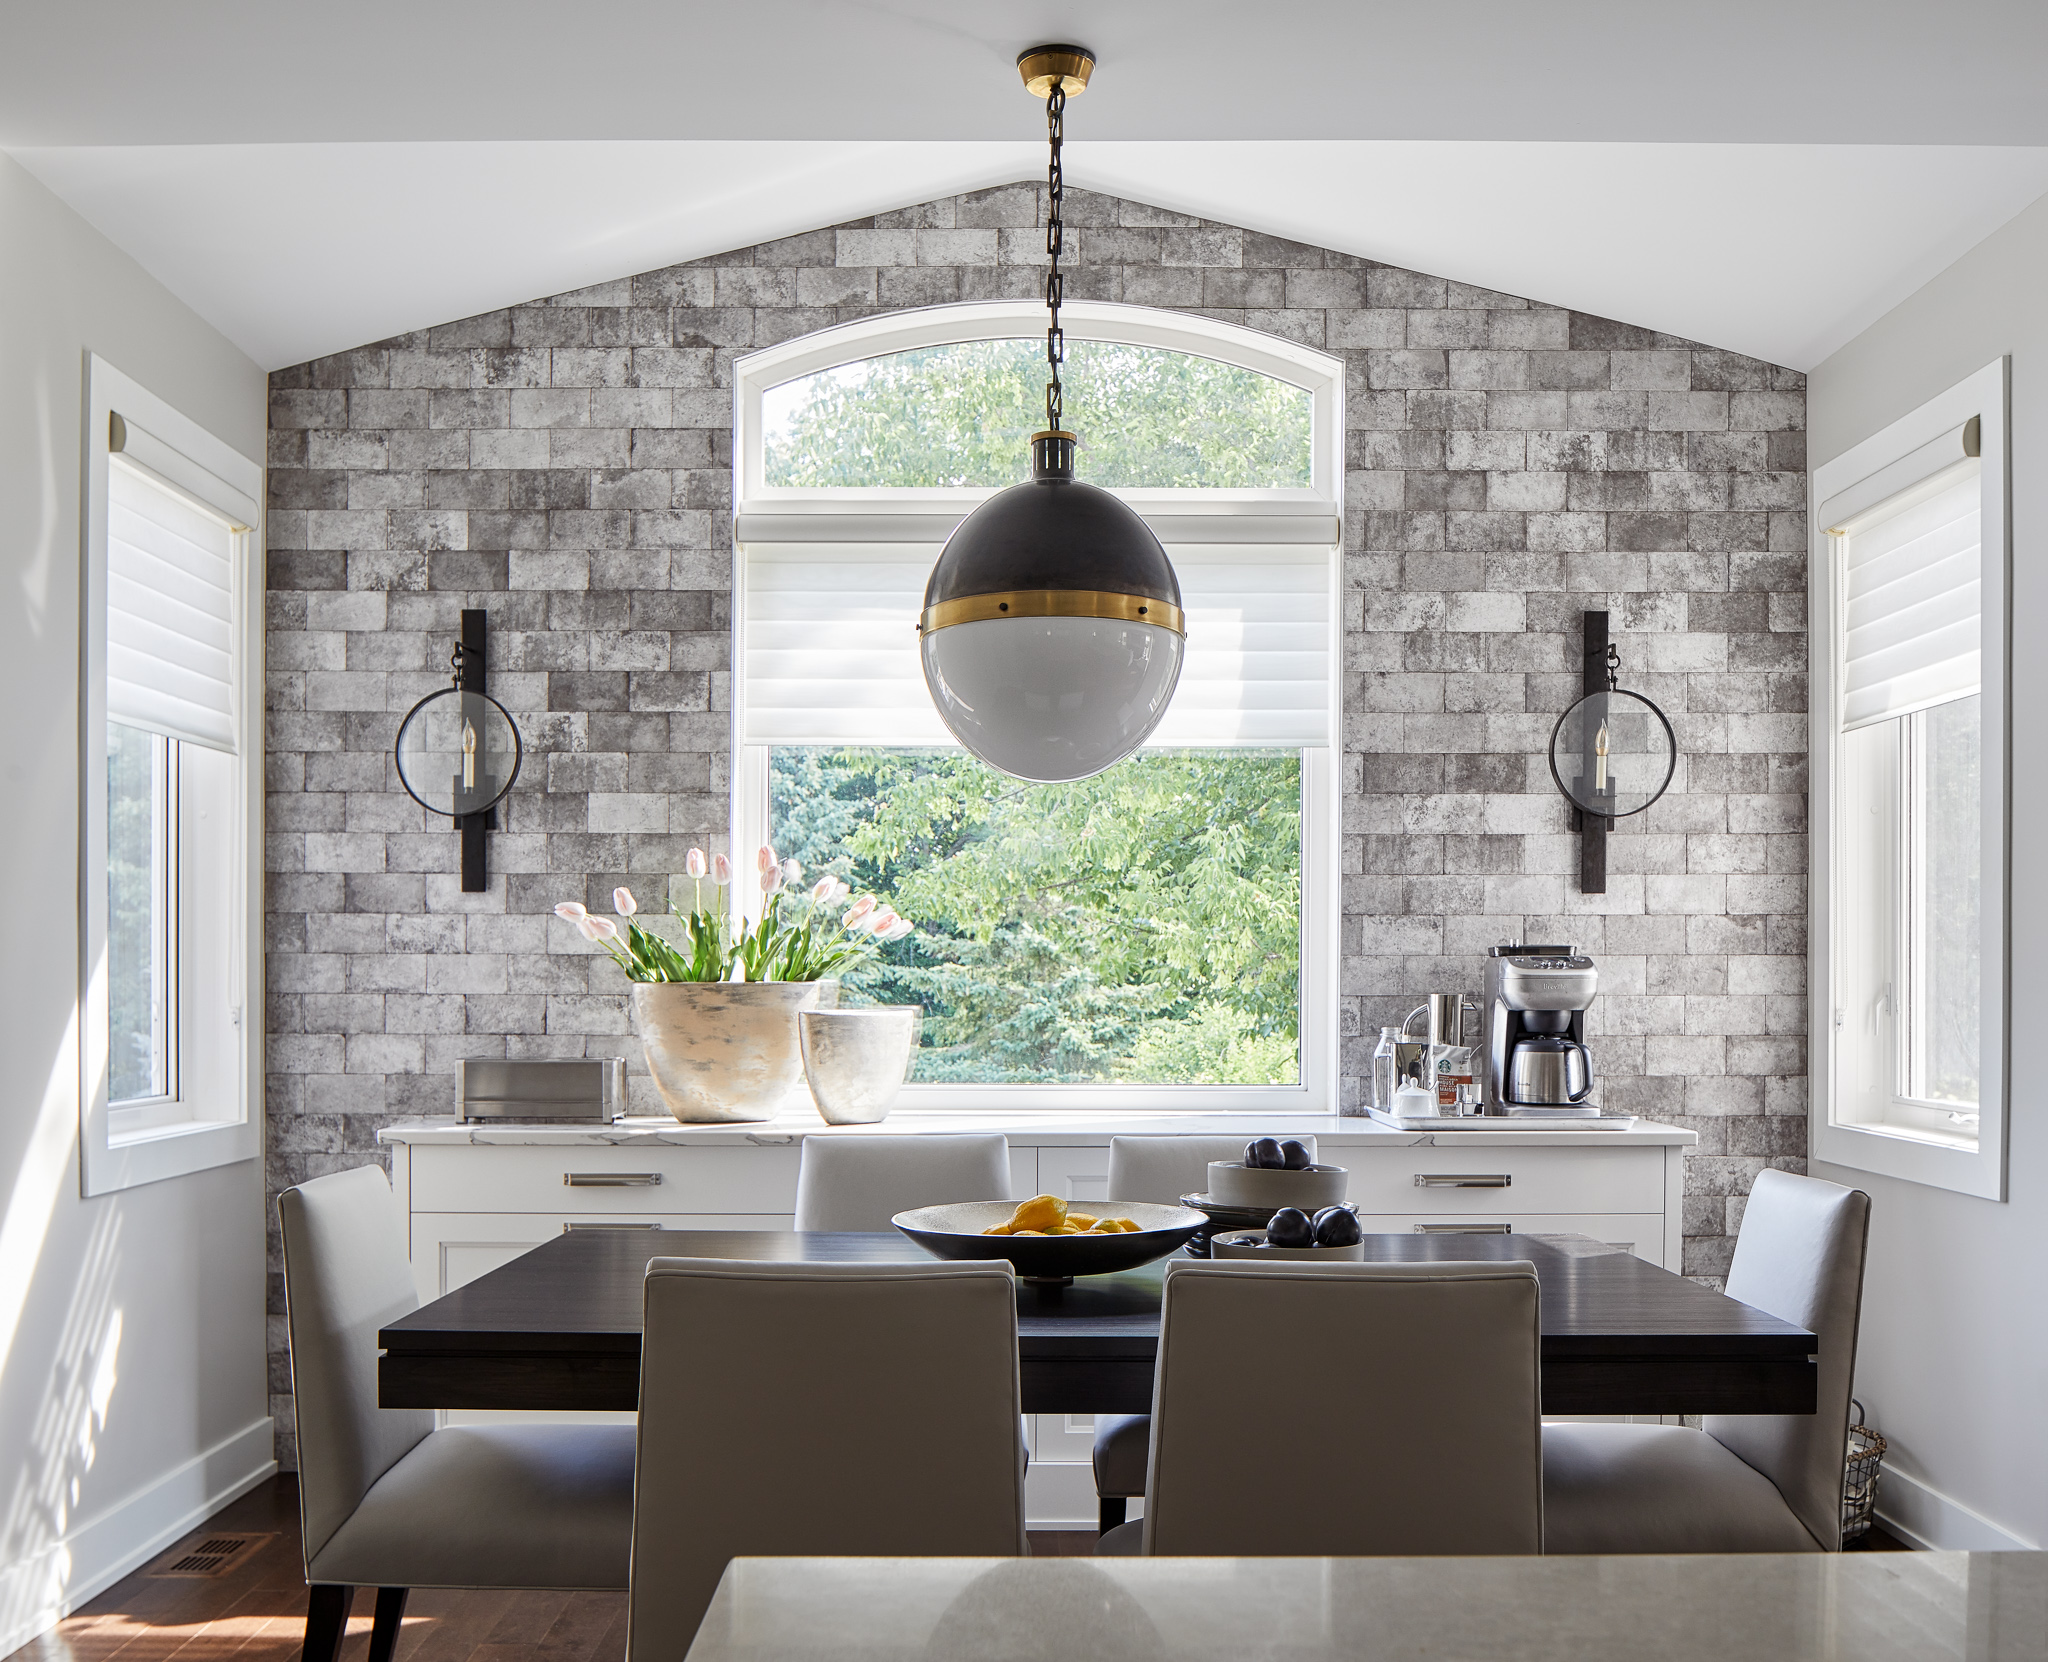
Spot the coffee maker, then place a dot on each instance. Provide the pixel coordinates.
(1536, 1057)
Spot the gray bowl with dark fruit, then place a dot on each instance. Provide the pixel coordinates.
(1333, 1235)
(1274, 1172)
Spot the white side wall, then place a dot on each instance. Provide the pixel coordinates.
(131, 1326)
(1954, 1363)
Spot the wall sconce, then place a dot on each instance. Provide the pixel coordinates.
(459, 752)
(1612, 753)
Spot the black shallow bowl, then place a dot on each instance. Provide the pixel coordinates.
(956, 1232)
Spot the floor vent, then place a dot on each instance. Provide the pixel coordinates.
(216, 1555)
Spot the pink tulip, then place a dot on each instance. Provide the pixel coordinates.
(792, 872)
(897, 930)
(693, 865)
(821, 891)
(840, 889)
(623, 902)
(884, 919)
(597, 929)
(764, 858)
(859, 909)
(569, 911)
(771, 879)
(721, 870)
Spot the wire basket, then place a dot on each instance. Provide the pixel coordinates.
(1859, 1484)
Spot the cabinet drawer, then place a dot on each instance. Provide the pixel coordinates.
(451, 1249)
(1502, 1180)
(1641, 1233)
(582, 1180)
(1074, 1173)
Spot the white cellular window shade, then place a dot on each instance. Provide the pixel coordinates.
(832, 656)
(1912, 588)
(170, 611)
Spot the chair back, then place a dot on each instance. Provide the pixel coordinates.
(1318, 1410)
(1799, 1257)
(818, 1409)
(863, 1182)
(346, 1274)
(1162, 1169)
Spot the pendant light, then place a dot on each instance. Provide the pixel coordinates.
(1052, 634)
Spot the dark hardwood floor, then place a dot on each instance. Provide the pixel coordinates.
(256, 1612)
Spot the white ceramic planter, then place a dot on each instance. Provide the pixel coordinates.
(856, 1059)
(725, 1051)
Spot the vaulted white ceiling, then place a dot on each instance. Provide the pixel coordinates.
(1767, 177)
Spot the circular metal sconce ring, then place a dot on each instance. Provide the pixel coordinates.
(1613, 753)
(458, 752)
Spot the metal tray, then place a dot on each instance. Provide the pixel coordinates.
(1534, 1121)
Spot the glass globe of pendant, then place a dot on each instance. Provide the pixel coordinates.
(1052, 634)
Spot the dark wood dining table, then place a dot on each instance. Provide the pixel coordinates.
(559, 1327)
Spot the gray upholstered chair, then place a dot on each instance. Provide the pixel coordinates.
(1336, 1410)
(1746, 1482)
(807, 1409)
(860, 1183)
(387, 1501)
(1161, 1170)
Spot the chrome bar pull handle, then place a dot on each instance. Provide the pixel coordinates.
(569, 1228)
(1464, 1180)
(611, 1179)
(1464, 1229)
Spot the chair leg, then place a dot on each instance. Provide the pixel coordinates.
(1112, 1514)
(326, 1620)
(384, 1632)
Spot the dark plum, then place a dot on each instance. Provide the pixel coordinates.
(1265, 1152)
(1337, 1226)
(1294, 1155)
(1290, 1228)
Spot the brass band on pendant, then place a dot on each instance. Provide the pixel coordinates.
(1095, 603)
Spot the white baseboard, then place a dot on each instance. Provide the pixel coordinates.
(38, 1591)
(1929, 1521)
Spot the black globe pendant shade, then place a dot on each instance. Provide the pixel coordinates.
(1052, 633)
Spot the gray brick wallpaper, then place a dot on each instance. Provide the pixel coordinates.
(566, 463)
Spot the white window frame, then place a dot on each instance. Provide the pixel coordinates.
(1310, 516)
(215, 1118)
(1911, 450)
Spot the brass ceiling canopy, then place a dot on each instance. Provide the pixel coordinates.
(1041, 66)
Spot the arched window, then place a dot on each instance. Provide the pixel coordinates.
(1164, 934)
(963, 414)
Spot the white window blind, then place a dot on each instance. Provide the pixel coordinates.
(1912, 589)
(170, 611)
(831, 646)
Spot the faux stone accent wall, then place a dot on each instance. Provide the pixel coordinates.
(566, 463)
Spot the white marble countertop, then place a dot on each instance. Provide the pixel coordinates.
(1041, 1128)
(1870, 1607)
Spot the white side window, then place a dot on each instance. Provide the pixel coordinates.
(1909, 797)
(170, 907)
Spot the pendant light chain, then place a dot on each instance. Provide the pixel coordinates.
(1055, 338)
